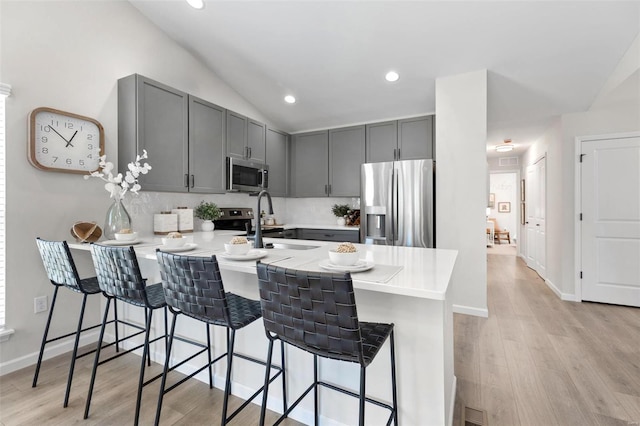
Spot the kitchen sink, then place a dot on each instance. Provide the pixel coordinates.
(289, 246)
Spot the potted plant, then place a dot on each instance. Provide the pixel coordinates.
(208, 212)
(340, 211)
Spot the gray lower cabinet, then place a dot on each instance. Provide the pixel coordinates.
(277, 157)
(346, 155)
(310, 164)
(327, 163)
(407, 139)
(183, 136)
(245, 137)
(329, 235)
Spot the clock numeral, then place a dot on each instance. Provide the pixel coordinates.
(45, 150)
(81, 162)
(68, 161)
(54, 122)
(68, 125)
(90, 146)
(45, 128)
(90, 156)
(55, 159)
(89, 137)
(45, 139)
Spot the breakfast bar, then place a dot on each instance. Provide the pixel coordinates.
(407, 286)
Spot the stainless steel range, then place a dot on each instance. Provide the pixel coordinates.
(241, 219)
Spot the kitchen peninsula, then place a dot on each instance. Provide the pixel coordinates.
(407, 286)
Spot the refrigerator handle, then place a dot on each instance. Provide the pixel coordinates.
(389, 219)
(396, 198)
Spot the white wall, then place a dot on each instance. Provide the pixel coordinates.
(461, 200)
(69, 55)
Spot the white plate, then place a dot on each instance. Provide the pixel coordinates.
(360, 265)
(250, 255)
(120, 242)
(186, 247)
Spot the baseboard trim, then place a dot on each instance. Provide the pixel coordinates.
(51, 350)
(452, 404)
(468, 310)
(562, 296)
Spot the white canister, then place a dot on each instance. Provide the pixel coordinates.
(164, 223)
(185, 219)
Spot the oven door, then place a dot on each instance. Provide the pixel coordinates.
(246, 176)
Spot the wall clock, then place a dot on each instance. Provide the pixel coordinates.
(64, 142)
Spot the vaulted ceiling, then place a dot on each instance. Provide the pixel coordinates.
(544, 58)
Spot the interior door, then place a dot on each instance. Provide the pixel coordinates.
(610, 227)
(536, 217)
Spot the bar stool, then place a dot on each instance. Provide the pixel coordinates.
(316, 312)
(193, 287)
(119, 278)
(61, 271)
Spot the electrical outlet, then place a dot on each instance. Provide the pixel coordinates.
(39, 304)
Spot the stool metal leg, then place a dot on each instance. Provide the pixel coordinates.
(393, 380)
(362, 394)
(209, 356)
(115, 323)
(75, 351)
(44, 337)
(316, 415)
(166, 369)
(284, 377)
(265, 391)
(145, 356)
(97, 358)
(227, 385)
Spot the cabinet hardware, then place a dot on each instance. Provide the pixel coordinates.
(193, 181)
(186, 180)
(398, 154)
(329, 189)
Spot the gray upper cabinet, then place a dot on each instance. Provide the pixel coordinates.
(310, 164)
(277, 157)
(245, 137)
(154, 117)
(183, 135)
(382, 141)
(346, 155)
(415, 138)
(408, 139)
(206, 146)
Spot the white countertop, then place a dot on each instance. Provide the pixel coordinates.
(425, 273)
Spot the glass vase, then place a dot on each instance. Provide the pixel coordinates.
(117, 219)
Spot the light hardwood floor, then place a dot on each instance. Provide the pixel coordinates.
(540, 361)
(536, 361)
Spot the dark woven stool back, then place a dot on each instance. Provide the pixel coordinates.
(193, 285)
(119, 274)
(311, 310)
(60, 267)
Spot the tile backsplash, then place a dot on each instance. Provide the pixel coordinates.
(310, 211)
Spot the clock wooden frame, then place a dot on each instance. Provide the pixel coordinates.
(32, 139)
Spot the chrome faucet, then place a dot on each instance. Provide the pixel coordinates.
(257, 242)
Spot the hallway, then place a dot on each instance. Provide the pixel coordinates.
(540, 361)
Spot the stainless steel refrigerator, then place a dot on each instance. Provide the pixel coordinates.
(397, 203)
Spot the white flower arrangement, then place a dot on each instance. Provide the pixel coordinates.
(118, 185)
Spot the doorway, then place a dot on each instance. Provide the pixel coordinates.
(503, 212)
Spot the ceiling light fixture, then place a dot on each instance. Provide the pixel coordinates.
(290, 99)
(392, 76)
(196, 4)
(505, 147)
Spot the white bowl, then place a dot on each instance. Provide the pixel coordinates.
(173, 242)
(126, 237)
(237, 248)
(343, 259)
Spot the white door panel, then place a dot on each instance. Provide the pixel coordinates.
(536, 217)
(610, 228)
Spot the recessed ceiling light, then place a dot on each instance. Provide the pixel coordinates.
(392, 76)
(290, 99)
(196, 4)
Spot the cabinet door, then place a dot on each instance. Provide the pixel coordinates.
(277, 159)
(415, 138)
(255, 140)
(382, 141)
(346, 155)
(236, 135)
(310, 164)
(206, 147)
(153, 116)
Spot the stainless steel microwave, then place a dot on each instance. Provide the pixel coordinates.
(246, 176)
